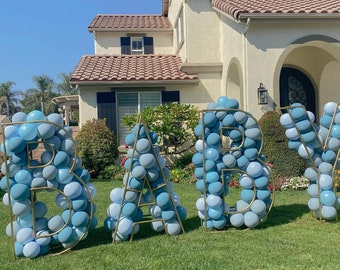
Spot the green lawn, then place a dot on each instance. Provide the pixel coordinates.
(289, 239)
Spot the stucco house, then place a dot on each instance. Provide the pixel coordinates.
(198, 50)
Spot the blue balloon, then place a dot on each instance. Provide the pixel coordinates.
(19, 117)
(212, 154)
(31, 249)
(35, 115)
(327, 197)
(215, 188)
(247, 195)
(16, 144)
(143, 145)
(237, 220)
(251, 219)
(45, 130)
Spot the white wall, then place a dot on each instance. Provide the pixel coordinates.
(109, 42)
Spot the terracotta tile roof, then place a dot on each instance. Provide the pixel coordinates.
(236, 8)
(106, 22)
(129, 68)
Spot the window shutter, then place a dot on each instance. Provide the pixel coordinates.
(170, 96)
(125, 45)
(148, 45)
(106, 108)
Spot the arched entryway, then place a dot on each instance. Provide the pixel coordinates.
(296, 87)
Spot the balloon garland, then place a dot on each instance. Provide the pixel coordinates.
(320, 147)
(145, 183)
(215, 164)
(58, 169)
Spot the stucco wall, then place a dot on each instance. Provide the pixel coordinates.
(109, 42)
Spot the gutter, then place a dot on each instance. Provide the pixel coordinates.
(129, 30)
(132, 83)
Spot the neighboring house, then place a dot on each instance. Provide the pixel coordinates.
(196, 51)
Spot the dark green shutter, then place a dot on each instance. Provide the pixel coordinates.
(170, 96)
(125, 45)
(106, 104)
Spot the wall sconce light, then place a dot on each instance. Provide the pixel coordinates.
(262, 95)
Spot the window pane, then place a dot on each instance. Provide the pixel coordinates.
(149, 100)
(137, 45)
(127, 104)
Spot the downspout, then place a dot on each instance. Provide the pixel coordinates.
(245, 64)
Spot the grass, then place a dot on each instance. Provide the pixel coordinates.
(289, 239)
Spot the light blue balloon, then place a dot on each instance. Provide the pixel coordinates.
(16, 144)
(221, 101)
(247, 195)
(304, 126)
(251, 219)
(129, 209)
(19, 117)
(237, 220)
(173, 228)
(45, 130)
(229, 121)
(314, 204)
(313, 191)
(197, 159)
(212, 176)
(326, 181)
(215, 188)
(147, 160)
(23, 177)
(255, 169)
(215, 213)
(330, 107)
(327, 197)
(49, 172)
(286, 121)
(125, 226)
(143, 146)
(213, 201)
(326, 120)
(229, 160)
(328, 156)
(292, 133)
(35, 115)
(243, 162)
(298, 113)
(219, 223)
(31, 249)
(72, 190)
(258, 207)
(328, 212)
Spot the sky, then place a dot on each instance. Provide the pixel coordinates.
(48, 37)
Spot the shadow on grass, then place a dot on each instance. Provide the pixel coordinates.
(100, 236)
(284, 214)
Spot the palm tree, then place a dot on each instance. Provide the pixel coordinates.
(64, 87)
(44, 84)
(9, 99)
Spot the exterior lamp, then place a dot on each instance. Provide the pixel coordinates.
(262, 95)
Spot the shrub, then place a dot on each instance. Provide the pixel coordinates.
(112, 172)
(183, 161)
(97, 146)
(286, 162)
(174, 123)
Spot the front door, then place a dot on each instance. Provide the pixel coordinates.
(296, 87)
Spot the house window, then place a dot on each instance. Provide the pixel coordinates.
(113, 106)
(136, 45)
(130, 103)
